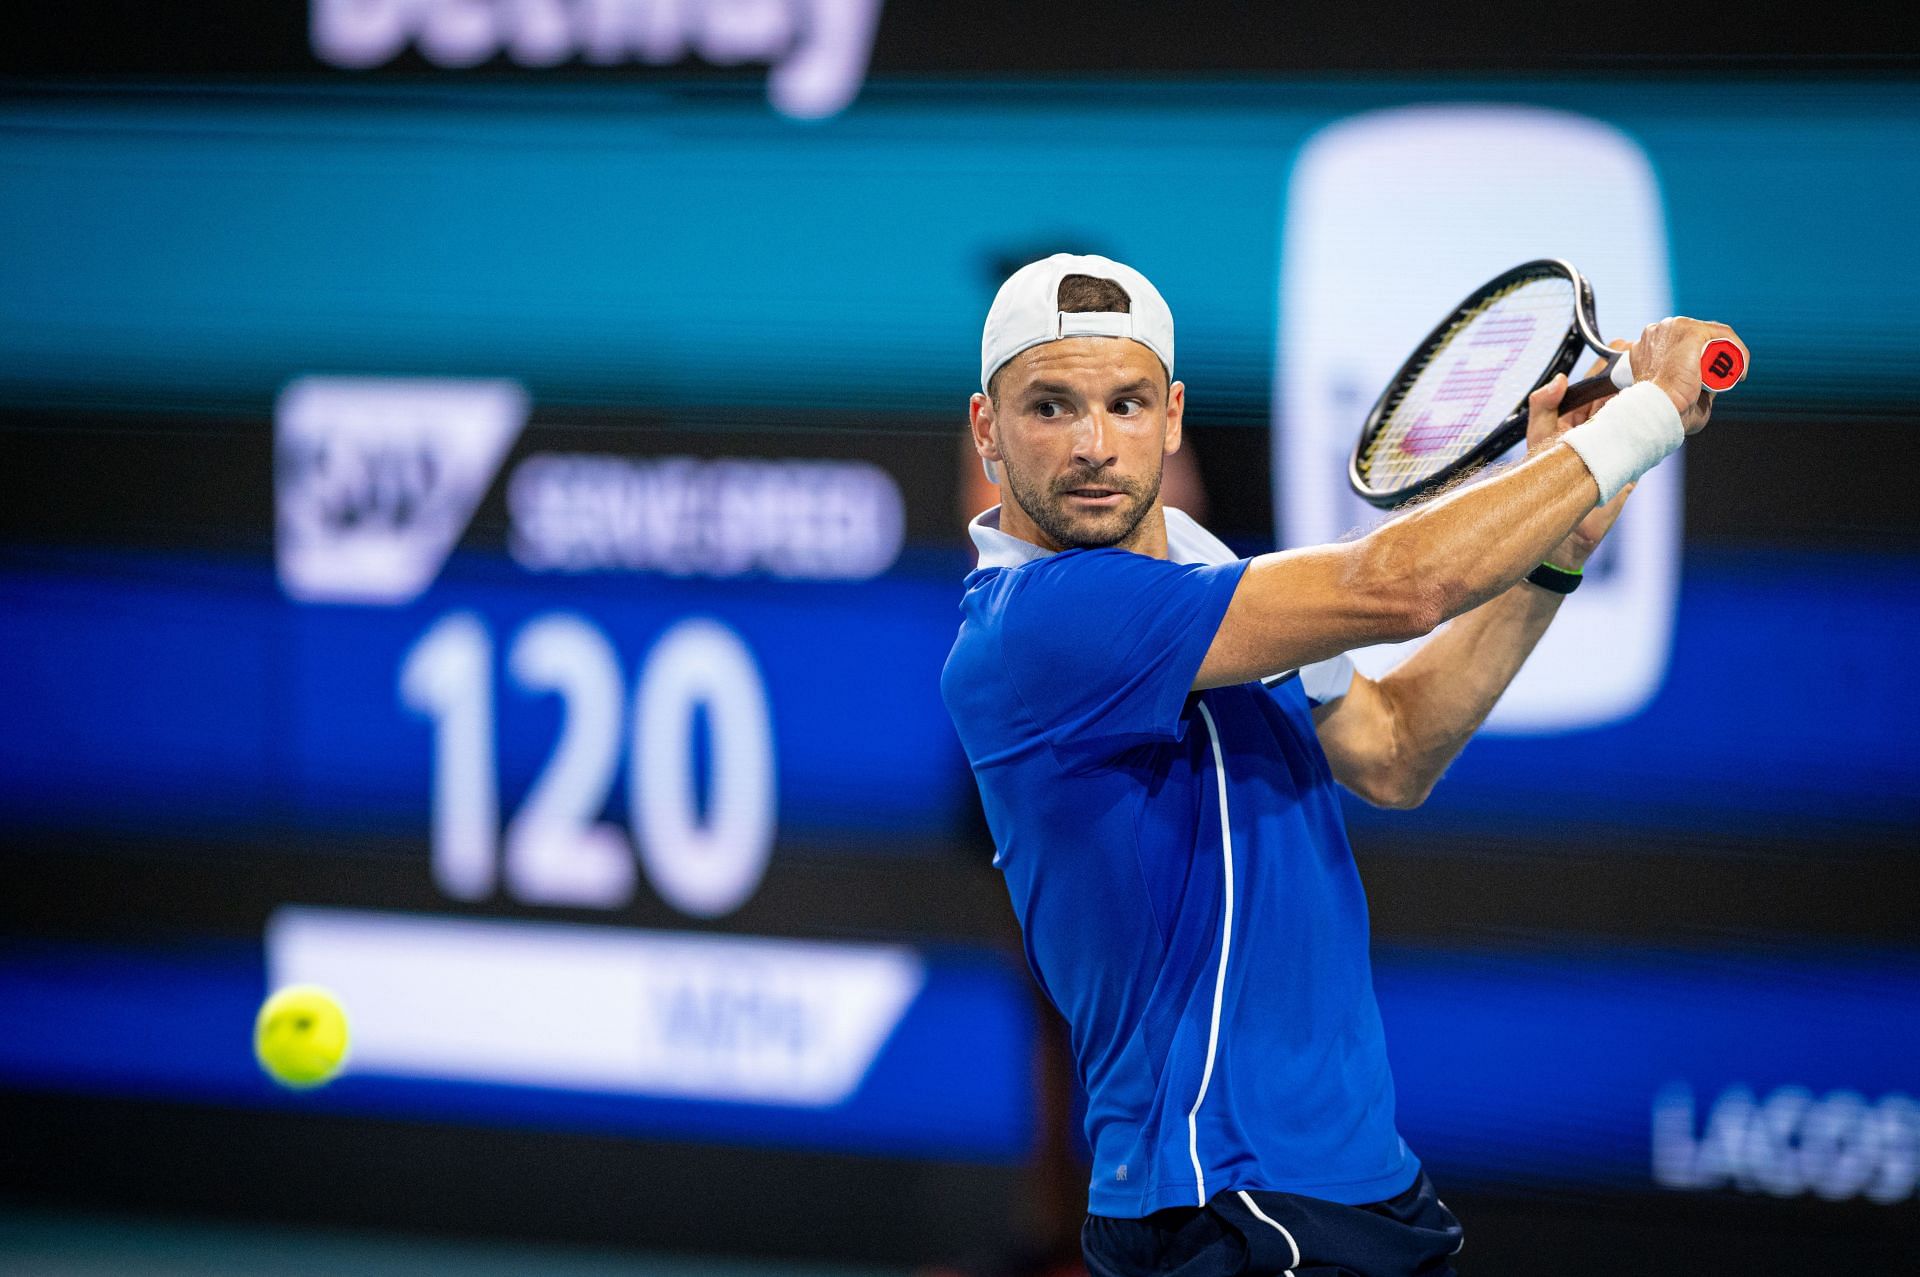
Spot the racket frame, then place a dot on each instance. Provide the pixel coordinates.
(1582, 334)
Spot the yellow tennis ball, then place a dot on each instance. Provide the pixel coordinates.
(300, 1036)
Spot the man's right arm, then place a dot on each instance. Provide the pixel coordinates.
(1429, 565)
(1402, 579)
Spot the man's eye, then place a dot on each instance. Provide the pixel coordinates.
(1050, 409)
(1128, 407)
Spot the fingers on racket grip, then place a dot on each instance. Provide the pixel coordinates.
(1722, 364)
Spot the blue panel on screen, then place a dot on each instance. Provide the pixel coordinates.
(1778, 714)
(185, 698)
(1550, 1066)
(951, 1081)
(143, 696)
(174, 696)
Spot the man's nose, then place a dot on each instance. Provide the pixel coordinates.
(1093, 441)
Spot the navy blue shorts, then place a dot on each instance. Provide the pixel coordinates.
(1256, 1234)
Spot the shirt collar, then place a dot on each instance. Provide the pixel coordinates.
(1187, 542)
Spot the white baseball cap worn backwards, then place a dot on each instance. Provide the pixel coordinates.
(1026, 312)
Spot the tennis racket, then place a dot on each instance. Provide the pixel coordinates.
(1461, 400)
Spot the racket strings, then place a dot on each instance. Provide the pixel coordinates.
(1474, 377)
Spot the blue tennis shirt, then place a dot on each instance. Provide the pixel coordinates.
(1181, 873)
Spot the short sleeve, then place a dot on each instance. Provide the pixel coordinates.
(1102, 646)
(1328, 680)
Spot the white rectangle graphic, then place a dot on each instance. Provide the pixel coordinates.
(731, 1018)
(1393, 216)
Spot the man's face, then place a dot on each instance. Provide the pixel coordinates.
(1081, 429)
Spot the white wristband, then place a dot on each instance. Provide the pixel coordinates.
(1634, 432)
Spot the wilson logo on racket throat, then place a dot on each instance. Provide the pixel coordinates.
(1470, 382)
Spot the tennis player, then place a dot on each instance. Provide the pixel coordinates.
(1160, 783)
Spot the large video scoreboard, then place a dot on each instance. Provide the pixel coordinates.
(489, 547)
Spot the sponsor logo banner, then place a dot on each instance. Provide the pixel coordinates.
(375, 479)
(1790, 1143)
(817, 50)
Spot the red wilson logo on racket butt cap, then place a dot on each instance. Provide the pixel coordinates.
(1722, 364)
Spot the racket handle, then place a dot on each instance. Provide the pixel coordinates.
(1722, 365)
(1610, 380)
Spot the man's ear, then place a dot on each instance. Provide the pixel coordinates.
(985, 442)
(1176, 415)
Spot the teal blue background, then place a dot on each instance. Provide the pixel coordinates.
(602, 244)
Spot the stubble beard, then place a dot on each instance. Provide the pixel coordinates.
(1048, 508)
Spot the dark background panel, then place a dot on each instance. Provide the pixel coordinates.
(69, 889)
(413, 1178)
(204, 482)
(918, 37)
(1425, 888)
(190, 481)
(296, 1168)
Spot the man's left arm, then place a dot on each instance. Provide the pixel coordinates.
(1389, 740)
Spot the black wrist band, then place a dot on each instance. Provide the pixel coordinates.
(1557, 580)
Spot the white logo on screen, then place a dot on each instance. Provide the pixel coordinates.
(1392, 217)
(688, 516)
(376, 478)
(1790, 1143)
(818, 49)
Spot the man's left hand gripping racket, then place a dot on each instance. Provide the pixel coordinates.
(1461, 400)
